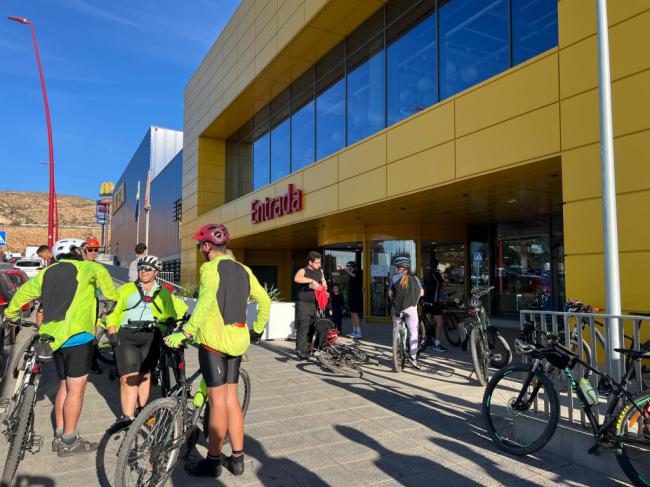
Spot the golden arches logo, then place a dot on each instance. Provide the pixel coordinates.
(106, 189)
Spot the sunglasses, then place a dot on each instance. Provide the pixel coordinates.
(92, 250)
(144, 268)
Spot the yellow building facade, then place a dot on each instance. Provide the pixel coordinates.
(500, 181)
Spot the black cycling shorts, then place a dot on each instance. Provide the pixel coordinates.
(138, 350)
(218, 368)
(432, 309)
(73, 361)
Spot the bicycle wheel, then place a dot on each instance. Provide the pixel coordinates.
(452, 330)
(500, 353)
(151, 447)
(362, 356)
(423, 336)
(399, 354)
(338, 365)
(633, 441)
(24, 411)
(480, 355)
(521, 427)
(244, 393)
(3, 360)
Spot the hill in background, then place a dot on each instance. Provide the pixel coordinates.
(24, 217)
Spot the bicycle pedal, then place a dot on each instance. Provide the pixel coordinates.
(37, 443)
(594, 450)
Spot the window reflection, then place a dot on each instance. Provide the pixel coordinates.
(302, 141)
(450, 257)
(473, 43)
(262, 162)
(330, 120)
(534, 28)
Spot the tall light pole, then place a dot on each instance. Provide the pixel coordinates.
(53, 213)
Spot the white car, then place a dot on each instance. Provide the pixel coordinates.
(31, 267)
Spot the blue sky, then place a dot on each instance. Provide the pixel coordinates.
(112, 69)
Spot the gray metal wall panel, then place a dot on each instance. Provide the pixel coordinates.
(164, 232)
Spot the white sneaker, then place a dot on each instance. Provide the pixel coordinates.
(358, 335)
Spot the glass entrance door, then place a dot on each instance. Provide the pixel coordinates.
(334, 261)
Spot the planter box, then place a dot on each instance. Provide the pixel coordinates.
(281, 324)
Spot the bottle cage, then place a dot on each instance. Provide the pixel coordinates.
(147, 299)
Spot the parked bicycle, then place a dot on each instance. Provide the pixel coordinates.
(402, 340)
(487, 346)
(450, 325)
(521, 407)
(18, 422)
(167, 430)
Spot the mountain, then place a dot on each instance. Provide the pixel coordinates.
(24, 217)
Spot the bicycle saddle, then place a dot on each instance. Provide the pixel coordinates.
(634, 354)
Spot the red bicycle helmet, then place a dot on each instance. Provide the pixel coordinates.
(215, 234)
(332, 336)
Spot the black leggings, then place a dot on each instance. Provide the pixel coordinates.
(218, 368)
(138, 350)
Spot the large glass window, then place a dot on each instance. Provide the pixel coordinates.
(330, 112)
(534, 28)
(280, 136)
(474, 42)
(411, 63)
(449, 259)
(382, 256)
(303, 130)
(261, 149)
(366, 91)
(245, 160)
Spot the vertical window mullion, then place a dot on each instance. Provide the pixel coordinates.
(385, 67)
(437, 34)
(510, 48)
(345, 89)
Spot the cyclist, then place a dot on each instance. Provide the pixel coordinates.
(433, 295)
(405, 292)
(67, 291)
(136, 341)
(90, 250)
(218, 325)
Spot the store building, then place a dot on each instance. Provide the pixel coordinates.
(159, 153)
(462, 130)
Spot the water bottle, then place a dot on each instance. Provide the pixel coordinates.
(589, 392)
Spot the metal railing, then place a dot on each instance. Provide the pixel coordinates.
(167, 277)
(586, 335)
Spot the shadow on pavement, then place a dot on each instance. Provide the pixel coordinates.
(29, 481)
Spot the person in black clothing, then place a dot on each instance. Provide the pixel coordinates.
(309, 278)
(433, 296)
(336, 307)
(355, 297)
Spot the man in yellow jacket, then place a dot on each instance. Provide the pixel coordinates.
(218, 326)
(67, 292)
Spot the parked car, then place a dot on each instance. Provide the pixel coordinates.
(17, 279)
(31, 267)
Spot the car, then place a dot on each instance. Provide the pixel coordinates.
(31, 267)
(17, 279)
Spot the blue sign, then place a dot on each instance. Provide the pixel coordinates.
(3, 239)
(478, 256)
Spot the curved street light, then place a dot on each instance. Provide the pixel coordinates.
(53, 213)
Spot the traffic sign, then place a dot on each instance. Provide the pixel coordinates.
(3, 239)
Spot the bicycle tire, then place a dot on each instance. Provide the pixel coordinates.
(362, 356)
(549, 419)
(479, 361)
(244, 384)
(499, 342)
(140, 425)
(3, 360)
(328, 361)
(452, 331)
(17, 448)
(399, 354)
(631, 423)
(105, 354)
(10, 383)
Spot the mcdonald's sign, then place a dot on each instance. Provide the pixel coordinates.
(106, 189)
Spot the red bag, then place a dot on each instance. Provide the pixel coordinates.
(322, 298)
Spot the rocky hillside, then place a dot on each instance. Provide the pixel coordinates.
(24, 217)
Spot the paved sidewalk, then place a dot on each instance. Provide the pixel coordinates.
(306, 427)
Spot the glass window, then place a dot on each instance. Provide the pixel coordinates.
(245, 160)
(451, 264)
(411, 63)
(382, 256)
(330, 113)
(474, 40)
(534, 28)
(366, 91)
(231, 169)
(371, 27)
(280, 136)
(303, 144)
(262, 148)
(333, 59)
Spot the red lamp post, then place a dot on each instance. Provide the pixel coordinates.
(53, 213)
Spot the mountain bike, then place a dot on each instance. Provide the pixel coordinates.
(487, 346)
(521, 407)
(154, 442)
(427, 328)
(18, 421)
(402, 340)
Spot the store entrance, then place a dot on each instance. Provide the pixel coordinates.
(335, 259)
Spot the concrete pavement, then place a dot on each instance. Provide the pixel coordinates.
(306, 427)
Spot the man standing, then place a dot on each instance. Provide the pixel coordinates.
(433, 296)
(218, 325)
(67, 291)
(140, 251)
(355, 298)
(311, 279)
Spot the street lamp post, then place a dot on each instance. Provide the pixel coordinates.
(53, 213)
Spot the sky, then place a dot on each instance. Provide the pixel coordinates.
(112, 69)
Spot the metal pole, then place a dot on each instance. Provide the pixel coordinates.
(610, 227)
(146, 227)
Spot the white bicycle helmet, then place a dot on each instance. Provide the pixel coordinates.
(65, 246)
(151, 261)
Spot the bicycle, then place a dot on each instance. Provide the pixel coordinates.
(449, 326)
(402, 340)
(487, 346)
(164, 427)
(18, 421)
(519, 424)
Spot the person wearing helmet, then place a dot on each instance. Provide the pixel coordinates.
(405, 292)
(91, 248)
(137, 344)
(67, 292)
(218, 326)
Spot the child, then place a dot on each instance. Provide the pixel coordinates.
(336, 307)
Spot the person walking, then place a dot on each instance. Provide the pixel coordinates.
(140, 251)
(405, 292)
(433, 297)
(355, 298)
(310, 279)
(67, 291)
(218, 326)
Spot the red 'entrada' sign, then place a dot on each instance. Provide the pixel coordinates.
(289, 202)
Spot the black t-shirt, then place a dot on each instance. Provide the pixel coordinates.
(306, 294)
(355, 286)
(433, 286)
